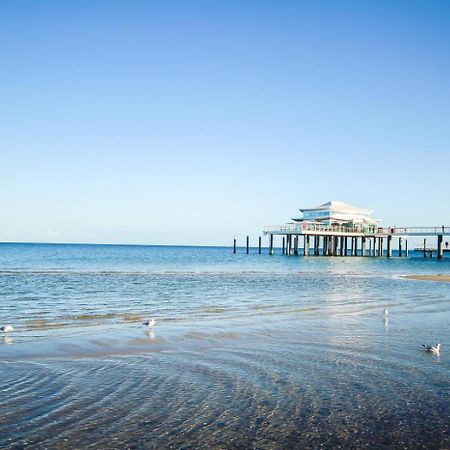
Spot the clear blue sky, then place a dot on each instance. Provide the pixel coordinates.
(191, 122)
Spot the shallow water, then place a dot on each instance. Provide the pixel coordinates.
(249, 351)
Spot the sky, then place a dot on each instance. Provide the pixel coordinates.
(190, 122)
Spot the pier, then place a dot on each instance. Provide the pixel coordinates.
(338, 229)
(333, 240)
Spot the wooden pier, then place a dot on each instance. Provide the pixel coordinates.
(341, 240)
(336, 228)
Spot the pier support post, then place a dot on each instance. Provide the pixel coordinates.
(271, 245)
(374, 246)
(306, 245)
(363, 246)
(345, 246)
(380, 246)
(400, 247)
(259, 245)
(425, 248)
(389, 246)
(406, 248)
(440, 249)
(296, 245)
(234, 245)
(248, 244)
(336, 245)
(284, 248)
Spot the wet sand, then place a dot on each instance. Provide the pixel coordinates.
(445, 278)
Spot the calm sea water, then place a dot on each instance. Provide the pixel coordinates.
(249, 351)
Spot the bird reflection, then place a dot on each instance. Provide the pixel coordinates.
(150, 334)
(386, 324)
(7, 340)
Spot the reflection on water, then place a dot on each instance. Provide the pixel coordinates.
(7, 340)
(250, 351)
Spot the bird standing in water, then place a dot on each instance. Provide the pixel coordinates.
(432, 349)
(149, 323)
(7, 329)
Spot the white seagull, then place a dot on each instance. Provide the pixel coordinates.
(149, 323)
(432, 349)
(6, 329)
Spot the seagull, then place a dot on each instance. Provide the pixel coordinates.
(7, 329)
(432, 349)
(386, 312)
(149, 323)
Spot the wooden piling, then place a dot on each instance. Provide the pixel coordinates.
(234, 245)
(306, 245)
(271, 245)
(259, 244)
(248, 244)
(284, 249)
(389, 246)
(425, 248)
(440, 249)
(400, 247)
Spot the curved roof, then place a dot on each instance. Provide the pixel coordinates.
(339, 207)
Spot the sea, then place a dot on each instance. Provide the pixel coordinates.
(248, 351)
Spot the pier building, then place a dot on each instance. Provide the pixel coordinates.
(334, 213)
(338, 229)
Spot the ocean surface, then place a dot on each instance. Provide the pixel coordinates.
(248, 351)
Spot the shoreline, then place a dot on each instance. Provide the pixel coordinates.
(443, 278)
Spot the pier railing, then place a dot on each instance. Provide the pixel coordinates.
(366, 230)
(417, 231)
(315, 228)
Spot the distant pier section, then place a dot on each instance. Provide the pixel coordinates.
(338, 229)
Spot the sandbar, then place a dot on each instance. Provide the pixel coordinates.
(445, 278)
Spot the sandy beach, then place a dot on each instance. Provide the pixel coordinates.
(439, 277)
